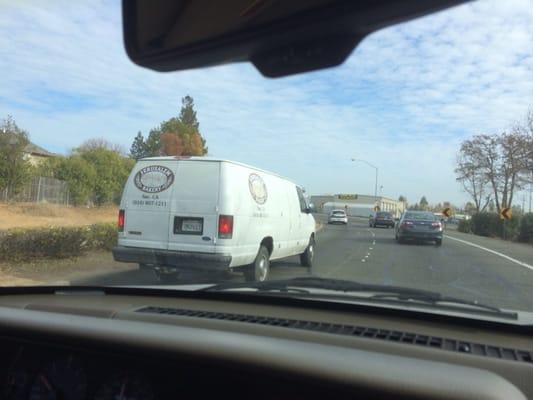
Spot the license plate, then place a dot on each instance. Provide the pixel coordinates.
(191, 226)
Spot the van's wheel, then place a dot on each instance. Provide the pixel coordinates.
(438, 242)
(258, 271)
(307, 257)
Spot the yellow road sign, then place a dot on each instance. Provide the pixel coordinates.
(447, 212)
(506, 213)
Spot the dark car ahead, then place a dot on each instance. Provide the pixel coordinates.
(381, 218)
(419, 225)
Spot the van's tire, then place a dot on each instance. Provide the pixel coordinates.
(307, 257)
(438, 242)
(259, 270)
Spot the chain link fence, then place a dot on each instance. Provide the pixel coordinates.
(39, 190)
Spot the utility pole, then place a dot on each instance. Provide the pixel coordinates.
(530, 190)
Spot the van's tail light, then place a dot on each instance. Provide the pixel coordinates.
(121, 220)
(436, 225)
(225, 226)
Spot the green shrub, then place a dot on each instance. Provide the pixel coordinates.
(491, 225)
(512, 228)
(526, 229)
(102, 236)
(485, 224)
(55, 242)
(464, 226)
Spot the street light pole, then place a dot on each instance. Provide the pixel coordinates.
(376, 181)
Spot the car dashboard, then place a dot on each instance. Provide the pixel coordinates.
(97, 345)
(50, 370)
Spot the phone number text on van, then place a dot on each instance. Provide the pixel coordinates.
(156, 203)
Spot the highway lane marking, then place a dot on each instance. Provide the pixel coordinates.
(514, 260)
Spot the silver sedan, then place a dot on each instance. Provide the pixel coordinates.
(338, 217)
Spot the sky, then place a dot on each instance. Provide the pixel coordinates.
(403, 101)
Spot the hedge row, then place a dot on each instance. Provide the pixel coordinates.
(55, 242)
(518, 228)
(464, 226)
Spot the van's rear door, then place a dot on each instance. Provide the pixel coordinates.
(194, 206)
(147, 202)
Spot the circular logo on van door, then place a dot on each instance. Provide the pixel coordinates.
(258, 188)
(153, 179)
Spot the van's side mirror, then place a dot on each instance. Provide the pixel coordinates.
(310, 208)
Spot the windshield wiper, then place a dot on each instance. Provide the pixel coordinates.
(377, 292)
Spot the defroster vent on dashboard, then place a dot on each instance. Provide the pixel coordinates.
(436, 342)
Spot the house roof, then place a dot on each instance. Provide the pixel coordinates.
(32, 148)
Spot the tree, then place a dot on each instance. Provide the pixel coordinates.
(171, 144)
(188, 114)
(424, 203)
(403, 199)
(471, 208)
(185, 128)
(197, 145)
(414, 207)
(139, 148)
(514, 152)
(15, 171)
(501, 160)
(153, 143)
(474, 181)
(79, 174)
(101, 143)
(112, 170)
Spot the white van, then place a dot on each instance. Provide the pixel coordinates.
(201, 213)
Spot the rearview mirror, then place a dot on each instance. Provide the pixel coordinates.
(279, 37)
(311, 208)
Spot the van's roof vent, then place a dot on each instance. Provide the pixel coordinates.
(436, 342)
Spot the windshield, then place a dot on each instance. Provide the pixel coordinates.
(420, 216)
(383, 215)
(111, 174)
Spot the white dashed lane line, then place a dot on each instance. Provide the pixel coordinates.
(370, 248)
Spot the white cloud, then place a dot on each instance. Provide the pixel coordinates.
(403, 100)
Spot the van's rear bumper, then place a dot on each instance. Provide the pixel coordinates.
(169, 258)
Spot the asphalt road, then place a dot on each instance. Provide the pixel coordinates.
(487, 270)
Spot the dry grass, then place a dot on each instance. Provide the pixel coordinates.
(61, 272)
(25, 215)
(10, 280)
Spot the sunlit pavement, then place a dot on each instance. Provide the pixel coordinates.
(371, 255)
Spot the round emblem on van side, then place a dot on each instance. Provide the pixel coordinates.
(153, 179)
(258, 188)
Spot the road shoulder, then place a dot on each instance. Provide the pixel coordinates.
(519, 251)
